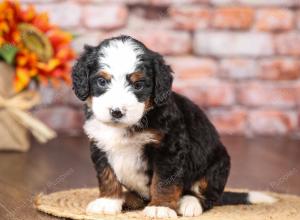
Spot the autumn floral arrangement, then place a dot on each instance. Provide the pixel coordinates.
(32, 52)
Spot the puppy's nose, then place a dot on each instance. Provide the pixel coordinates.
(116, 113)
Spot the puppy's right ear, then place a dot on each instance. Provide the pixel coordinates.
(80, 73)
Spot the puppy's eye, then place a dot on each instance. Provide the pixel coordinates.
(101, 82)
(139, 85)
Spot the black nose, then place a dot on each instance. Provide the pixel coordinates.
(116, 113)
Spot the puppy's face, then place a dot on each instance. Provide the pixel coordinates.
(120, 88)
(120, 78)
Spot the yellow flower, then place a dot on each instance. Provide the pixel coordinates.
(49, 66)
(22, 79)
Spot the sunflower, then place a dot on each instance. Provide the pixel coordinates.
(40, 51)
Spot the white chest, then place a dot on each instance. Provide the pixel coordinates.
(124, 153)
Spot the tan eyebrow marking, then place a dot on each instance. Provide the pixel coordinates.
(105, 75)
(136, 76)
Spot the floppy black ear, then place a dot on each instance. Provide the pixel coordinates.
(80, 74)
(162, 79)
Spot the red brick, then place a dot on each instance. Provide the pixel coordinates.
(138, 20)
(167, 42)
(232, 121)
(298, 19)
(286, 3)
(280, 69)
(233, 18)
(288, 44)
(190, 17)
(62, 119)
(267, 94)
(114, 1)
(189, 67)
(66, 14)
(91, 38)
(158, 3)
(208, 92)
(275, 19)
(37, 1)
(233, 44)
(172, 2)
(105, 16)
(238, 68)
(62, 95)
(272, 122)
(298, 95)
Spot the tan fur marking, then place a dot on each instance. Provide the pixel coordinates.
(164, 194)
(109, 185)
(105, 75)
(203, 184)
(158, 136)
(133, 201)
(148, 104)
(136, 76)
(89, 102)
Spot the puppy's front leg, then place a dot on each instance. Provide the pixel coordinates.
(111, 199)
(164, 198)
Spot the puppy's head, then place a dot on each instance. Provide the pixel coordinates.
(122, 80)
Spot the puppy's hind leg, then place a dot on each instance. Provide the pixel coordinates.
(209, 188)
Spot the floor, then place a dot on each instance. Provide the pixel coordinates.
(261, 164)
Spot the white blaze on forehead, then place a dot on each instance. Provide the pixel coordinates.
(120, 57)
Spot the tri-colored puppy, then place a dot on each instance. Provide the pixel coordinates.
(154, 142)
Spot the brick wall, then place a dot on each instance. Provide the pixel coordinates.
(238, 59)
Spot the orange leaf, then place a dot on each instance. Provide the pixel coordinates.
(41, 21)
(28, 14)
(57, 37)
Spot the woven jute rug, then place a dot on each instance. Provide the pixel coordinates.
(72, 203)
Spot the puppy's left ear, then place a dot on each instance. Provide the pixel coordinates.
(163, 80)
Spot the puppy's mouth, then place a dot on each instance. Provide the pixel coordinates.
(116, 123)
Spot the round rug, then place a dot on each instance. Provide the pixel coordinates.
(72, 203)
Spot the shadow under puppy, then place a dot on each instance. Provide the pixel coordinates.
(154, 142)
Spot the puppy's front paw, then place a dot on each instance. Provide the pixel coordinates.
(190, 206)
(159, 212)
(104, 206)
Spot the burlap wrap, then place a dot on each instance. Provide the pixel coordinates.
(15, 119)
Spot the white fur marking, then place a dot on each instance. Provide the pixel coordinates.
(190, 206)
(104, 206)
(159, 212)
(196, 188)
(259, 197)
(124, 153)
(120, 57)
(118, 96)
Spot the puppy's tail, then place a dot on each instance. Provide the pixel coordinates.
(236, 198)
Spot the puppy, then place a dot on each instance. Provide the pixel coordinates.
(154, 142)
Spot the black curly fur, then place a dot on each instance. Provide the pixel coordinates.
(83, 68)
